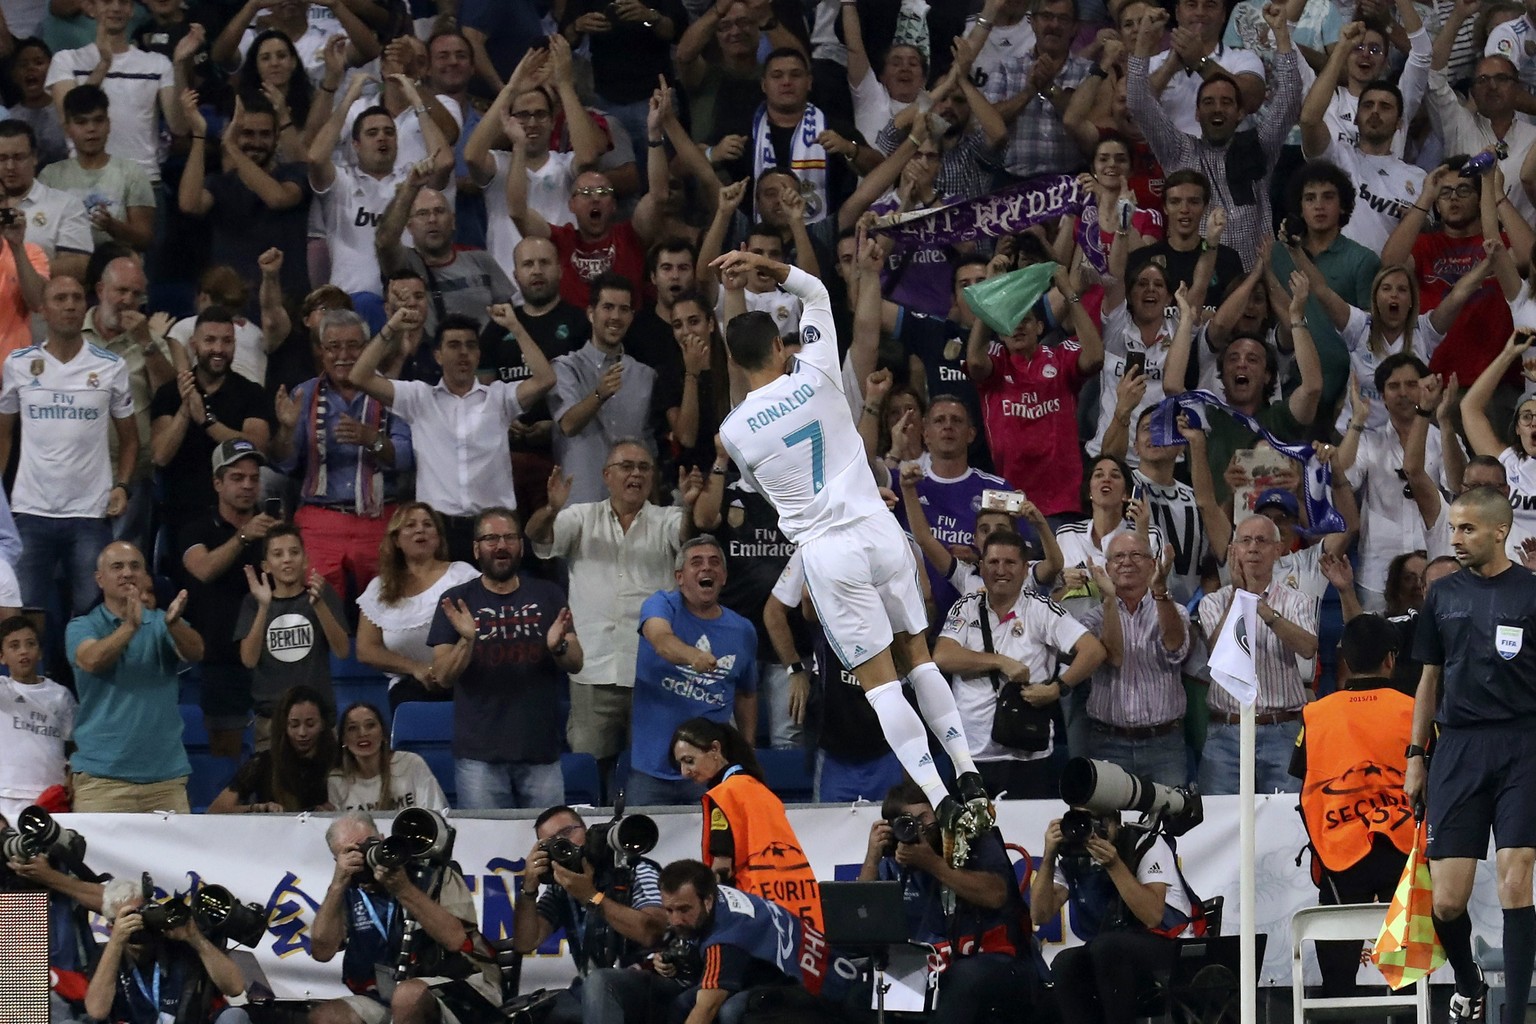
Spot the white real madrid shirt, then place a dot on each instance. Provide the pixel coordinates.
(1384, 188)
(778, 303)
(1037, 632)
(352, 208)
(65, 412)
(1515, 40)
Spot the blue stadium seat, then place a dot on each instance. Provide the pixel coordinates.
(210, 775)
(349, 667)
(583, 784)
(787, 774)
(193, 736)
(373, 691)
(426, 728)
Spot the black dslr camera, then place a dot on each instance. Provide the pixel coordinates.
(681, 953)
(219, 915)
(417, 836)
(37, 833)
(906, 829)
(563, 852)
(1077, 826)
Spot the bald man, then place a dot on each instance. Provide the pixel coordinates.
(118, 325)
(125, 653)
(1286, 629)
(466, 283)
(1479, 688)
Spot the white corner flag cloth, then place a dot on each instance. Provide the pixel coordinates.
(1231, 662)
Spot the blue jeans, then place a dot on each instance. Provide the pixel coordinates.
(839, 781)
(1160, 758)
(616, 995)
(1272, 759)
(642, 790)
(48, 544)
(487, 786)
(1074, 710)
(773, 698)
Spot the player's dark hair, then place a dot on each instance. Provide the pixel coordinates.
(750, 337)
(15, 624)
(609, 281)
(1007, 538)
(214, 314)
(904, 794)
(544, 816)
(688, 872)
(276, 533)
(1396, 361)
(456, 322)
(1366, 643)
(703, 733)
(85, 99)
(377, 110)
(1490, 505)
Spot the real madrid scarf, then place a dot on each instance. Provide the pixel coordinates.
(368, 487)
(807, 160)
(1322, 517)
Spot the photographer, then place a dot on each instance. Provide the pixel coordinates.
(72, 949)
(150, 975)
(745, 943)
(364, 917)
(610, 916)
(1128, 903)
(989, 961)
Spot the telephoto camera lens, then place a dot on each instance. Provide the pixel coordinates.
(563, 852)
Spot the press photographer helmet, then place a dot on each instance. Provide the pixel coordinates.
(1100, 787)
(37, 833)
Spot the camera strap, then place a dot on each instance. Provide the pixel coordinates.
(986, 639)
(152, 990)
(373, 915)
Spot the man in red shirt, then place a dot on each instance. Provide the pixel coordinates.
(1029, 403)
(1441, 257)
(594, 244)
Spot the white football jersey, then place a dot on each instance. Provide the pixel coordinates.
(795, 440)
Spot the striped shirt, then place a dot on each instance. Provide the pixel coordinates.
(1249, 222)
(1148, 687)
(1280, 683)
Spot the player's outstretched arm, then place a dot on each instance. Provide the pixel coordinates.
(809, 290)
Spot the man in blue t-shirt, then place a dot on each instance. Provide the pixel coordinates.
(502, 642)
(129, 756)
(697, 659)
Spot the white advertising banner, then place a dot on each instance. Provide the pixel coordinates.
(283, 864)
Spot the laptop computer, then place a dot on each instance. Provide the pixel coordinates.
(864, 914)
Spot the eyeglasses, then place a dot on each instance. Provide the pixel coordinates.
(1127, 556)
(631, 467)
(568, 831)
(1502, 78)
(531, 115)
(595, 190)
(1373, 49)
(1525, 419)
(1459, 192)
(499, 538)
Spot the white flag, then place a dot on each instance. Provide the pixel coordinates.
(1231, 661)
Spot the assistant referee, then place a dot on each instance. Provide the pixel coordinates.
(1479, 686)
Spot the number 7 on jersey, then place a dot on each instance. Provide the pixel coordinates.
(812, 432)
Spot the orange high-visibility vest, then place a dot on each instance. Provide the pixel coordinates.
(768, 860)
(1353, 791)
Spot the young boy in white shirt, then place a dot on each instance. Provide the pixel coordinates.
(42, 714)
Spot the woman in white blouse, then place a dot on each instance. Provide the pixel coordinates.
(374, 778)
(398, 605)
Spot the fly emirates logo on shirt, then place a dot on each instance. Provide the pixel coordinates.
(61, 406)
(1029, 406)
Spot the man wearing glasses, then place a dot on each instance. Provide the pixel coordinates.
(1136, 706)
(501, 642)
(618, 551)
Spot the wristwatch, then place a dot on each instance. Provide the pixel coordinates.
(209, 419)
(379, 442)
(597, 899)
(796, 668)
(1414, 750)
